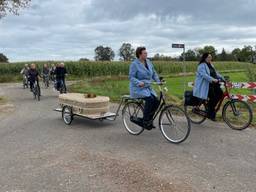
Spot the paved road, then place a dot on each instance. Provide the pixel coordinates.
(39, 153)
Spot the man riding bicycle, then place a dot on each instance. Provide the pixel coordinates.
(24, 73)
(52, 70)
(60, 74)
(33, 77)
(46, 74)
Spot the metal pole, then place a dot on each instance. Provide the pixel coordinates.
(184, 67)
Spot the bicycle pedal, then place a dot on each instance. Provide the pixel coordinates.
(199, 112)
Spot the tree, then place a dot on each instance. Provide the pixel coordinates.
(190, 55)
(12, 6)
(223, 56)
(104, 53)
(236, 53)
(208, 49)
(3, 58)
(158, 57)
(126, 52)
(83, 59)
(247, 54)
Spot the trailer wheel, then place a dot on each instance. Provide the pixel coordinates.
(67, 115)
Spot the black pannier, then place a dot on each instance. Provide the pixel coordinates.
(190, 100)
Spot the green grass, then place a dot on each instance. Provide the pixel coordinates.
(115, 87)
(7, 78)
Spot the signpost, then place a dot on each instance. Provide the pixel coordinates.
(182, 46)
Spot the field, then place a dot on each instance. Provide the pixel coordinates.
(77, 70)
(111, 78)
(116, 86)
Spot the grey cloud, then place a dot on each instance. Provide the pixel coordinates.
(64, 29)
(202, 11)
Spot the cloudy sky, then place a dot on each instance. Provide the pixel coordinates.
(71, 29)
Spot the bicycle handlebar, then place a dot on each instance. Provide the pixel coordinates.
(160, 84)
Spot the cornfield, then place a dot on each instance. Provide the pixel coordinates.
(92, 69)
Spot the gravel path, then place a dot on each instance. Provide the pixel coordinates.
(39, 153)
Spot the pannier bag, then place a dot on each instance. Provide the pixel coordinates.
(191, 100)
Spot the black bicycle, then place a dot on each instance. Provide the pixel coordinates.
(25, 81)
(46, 80)
(36, 90)
(173, 121)
(62, 87)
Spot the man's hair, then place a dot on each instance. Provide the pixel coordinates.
(139, 51)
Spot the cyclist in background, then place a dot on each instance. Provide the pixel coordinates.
(60, 74)
(52, 70)
(24, 73)
(46, 74)
(33, 77)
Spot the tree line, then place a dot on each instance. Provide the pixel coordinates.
(245, 54)
(127, 53)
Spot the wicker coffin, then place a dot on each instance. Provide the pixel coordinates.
(85, 106)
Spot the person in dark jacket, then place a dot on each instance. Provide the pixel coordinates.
(24, 73)
(60, 74)
(52, 70)
(33, 76)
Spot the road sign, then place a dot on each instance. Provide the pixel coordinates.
(178, 45)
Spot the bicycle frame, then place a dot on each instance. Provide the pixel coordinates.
(140, 101)
(225, 95)
(162, 102)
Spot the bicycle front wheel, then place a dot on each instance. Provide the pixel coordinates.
(38, 92)
(132, 110)
(174, 124)
(237, 114)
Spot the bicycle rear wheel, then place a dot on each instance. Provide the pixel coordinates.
(174, 124)
(237, 114)
(132, 110)
(194, 117)
(38, 94)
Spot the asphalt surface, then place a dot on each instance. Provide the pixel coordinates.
(38, 152)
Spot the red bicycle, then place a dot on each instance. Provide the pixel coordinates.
(236, 114)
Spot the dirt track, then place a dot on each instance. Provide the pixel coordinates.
(39, 153)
